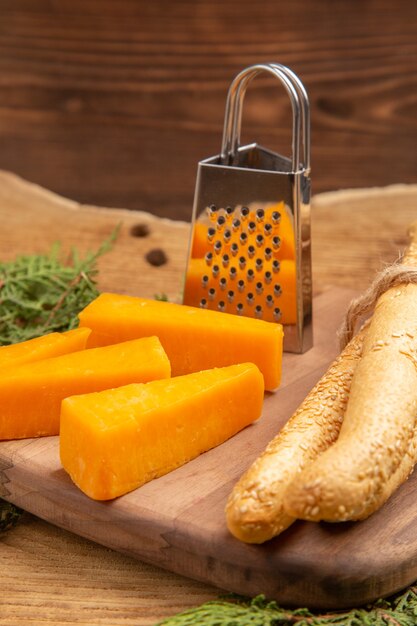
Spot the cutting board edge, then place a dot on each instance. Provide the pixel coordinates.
(336, 594)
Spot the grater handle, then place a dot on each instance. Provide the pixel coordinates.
(300, 108)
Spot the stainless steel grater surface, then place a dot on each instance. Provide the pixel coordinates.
(250, 247)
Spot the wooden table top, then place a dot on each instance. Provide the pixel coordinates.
(50, 576)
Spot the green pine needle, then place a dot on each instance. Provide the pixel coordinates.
(161, 297)
(399, 611)
(9, 515)
(41, 294)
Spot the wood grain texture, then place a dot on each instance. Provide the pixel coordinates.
(51, 576)
(55, 577)
(114, 103)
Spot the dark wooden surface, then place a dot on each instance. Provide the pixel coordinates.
(114, 102)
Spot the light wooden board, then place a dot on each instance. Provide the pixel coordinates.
(177, 521)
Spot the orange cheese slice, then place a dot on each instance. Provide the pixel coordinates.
(237, 292)
(284, 230)
(194, 339)
(31, 394)
(114, 441)
(53, 344)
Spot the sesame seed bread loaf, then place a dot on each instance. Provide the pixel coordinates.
(304, 472)
(255, 511)
(376, 448)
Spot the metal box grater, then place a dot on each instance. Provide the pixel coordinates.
(250, 246)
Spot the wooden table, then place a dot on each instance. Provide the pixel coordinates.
(50, 576)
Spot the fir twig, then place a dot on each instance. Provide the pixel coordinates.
(235, 611)
(40, 294)
(9, 515)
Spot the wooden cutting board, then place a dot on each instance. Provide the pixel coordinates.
(177, 521)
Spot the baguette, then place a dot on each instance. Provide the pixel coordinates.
(377, 447)
(255, 510)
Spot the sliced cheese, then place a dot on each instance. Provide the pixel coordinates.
(114, 441)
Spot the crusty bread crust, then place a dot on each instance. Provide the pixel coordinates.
(255, 510)
(291, 476)
(375, 451)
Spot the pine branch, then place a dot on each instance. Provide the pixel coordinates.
(40, 294)
(235, 611)
(9, 515)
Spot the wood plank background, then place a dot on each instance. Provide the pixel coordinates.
(113, 102)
